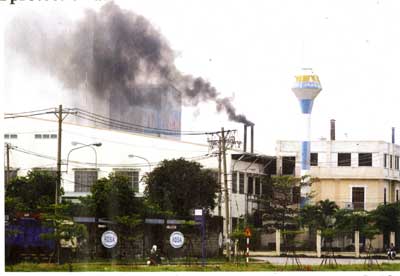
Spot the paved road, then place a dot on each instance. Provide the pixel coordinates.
(317, 261)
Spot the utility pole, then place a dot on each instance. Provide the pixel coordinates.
(226, 139)
(219, 178)
(58, 184)
(226, 192)
(8, 163)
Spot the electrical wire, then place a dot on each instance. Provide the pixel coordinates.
(96, 118)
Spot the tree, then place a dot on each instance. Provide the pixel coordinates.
(280, 206)
(327, 209)
(387, 218)
(31, 193)
(180, 186)
(64, 229)
(310, 216)
(112, 197)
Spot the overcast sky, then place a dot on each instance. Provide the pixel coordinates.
(251, 50)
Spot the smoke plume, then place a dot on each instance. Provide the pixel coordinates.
(112, 52)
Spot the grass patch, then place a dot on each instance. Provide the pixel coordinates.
(77, 267)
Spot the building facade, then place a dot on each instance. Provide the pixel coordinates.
(355, 174)
(89, 153)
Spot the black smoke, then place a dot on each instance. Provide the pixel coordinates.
(111, 52)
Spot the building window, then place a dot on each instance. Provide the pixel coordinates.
(288, 165)
(385, 157)
(6, 136)
(241, 183)
(133, 177)
(84, 179)
(357, 194)
(397, 195)
(250, 188)
(396, 162)
(314, 159)
(53, 136)
(391, 161)
(38, 136)
(296, 195)
(234, 182)
(365, 159)
(344, 159)
(13, 136)
(46, 136)
(51, 171)
(258, 186)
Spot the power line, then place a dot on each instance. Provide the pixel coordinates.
(96, 118)
(25, 151)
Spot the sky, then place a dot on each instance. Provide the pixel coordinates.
(250, 51)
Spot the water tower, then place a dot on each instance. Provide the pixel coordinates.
(306, 88)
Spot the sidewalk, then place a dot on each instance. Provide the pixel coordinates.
(312, 254)
(318, 261)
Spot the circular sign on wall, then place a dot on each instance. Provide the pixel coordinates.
(176, 239)
(109, 239)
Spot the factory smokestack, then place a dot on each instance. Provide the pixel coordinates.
(245, 138)
(393, 136)
(110, 53)
(333, 130)
(252, 138)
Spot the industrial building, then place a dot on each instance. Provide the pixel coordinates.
(354, 174)
(90, 153)
(357, 175)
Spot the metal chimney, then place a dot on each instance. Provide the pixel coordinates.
(393, 135)
(252, 138)
(245, 139)
(333, 130)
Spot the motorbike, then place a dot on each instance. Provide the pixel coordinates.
(391, 254)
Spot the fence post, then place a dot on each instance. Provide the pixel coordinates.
(392, 237)
(278, 242)
(318, 243)
(357, 243)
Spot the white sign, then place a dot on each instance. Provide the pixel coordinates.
(109, 239)
(198, 212)
(176, 239)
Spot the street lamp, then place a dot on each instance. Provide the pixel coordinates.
(132, 156)
(84, 145)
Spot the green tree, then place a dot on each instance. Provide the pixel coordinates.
(310, 216)
(351, 220)
(280, 207)
(30, 193)
(180, 186)
(328, 210)
(387, 218)
(112, 197)
(64, 229)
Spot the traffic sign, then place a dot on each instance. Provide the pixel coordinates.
(247, 232)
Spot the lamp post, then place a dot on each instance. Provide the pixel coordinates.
(83, 146)
(145, 159)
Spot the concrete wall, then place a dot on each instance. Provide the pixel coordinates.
(340, 191)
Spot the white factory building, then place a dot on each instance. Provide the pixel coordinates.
(354, 174)
(33, 143)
